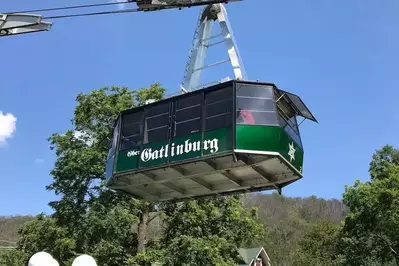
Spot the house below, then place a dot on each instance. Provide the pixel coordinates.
(250, 257)
(254, 257)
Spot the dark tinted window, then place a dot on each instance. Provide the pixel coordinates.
(219, 95)
(188, 101)
(158, 109)
(130, 142)
(284, 121)
(132, 118)
(290, 127)
(158, 134)
(300, 107)
(218, 108)
(188, 127)
(188, 115)
(219, 121)
(255, 91)
(157, 123)
(131, 130)
(114, 142)
(284, 108)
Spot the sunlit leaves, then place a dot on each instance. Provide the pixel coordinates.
(370, 230)
(209, 231)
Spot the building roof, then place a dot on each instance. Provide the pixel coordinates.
(248, 255)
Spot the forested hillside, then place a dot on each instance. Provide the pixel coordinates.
(288, 220)
(285, 219)
(9, 228)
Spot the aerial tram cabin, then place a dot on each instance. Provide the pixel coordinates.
(233, 137)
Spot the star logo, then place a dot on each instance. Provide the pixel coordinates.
(291, 152)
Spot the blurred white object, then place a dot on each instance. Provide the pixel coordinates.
(42, 259)
(54, 263)
(84, 260)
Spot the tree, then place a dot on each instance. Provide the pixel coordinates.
(370, 231)
(13, 257)
(89, 218)
(318, 247)
(382, 159)
(208, 231)
(44, 234)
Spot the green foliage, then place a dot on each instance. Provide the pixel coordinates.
(88, 218)
(79, 169)
(370, 230)
(95, 112)
(208, 231)
(369, 233)
(382, 160)
(318, 247)
(9, 228)
(44, 234)
(13, 257)
(154, 92)
(201, 251)
(286, 221)
(151, 255)
(107, 232)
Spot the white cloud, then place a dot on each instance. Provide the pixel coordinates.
(7, 127)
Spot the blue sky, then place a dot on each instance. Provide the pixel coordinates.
(340, 56)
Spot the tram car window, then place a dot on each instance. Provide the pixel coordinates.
(157, 123)
(188, 115)
(218, 108)
(287, 119)
(255, 105)
(131, 130)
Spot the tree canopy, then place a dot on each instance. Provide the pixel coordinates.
(370, 230)
(112, 227)
(368, 235)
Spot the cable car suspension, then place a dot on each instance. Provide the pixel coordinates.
(13, 23)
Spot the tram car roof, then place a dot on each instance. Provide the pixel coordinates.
(294, 100)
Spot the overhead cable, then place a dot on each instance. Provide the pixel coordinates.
(69, 7)
(131, 10)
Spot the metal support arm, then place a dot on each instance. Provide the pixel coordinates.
(202, 36)
(13, 24)
(153, 5)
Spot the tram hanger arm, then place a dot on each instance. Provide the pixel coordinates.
(153, 5)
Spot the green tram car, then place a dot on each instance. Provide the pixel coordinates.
(233, 137)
